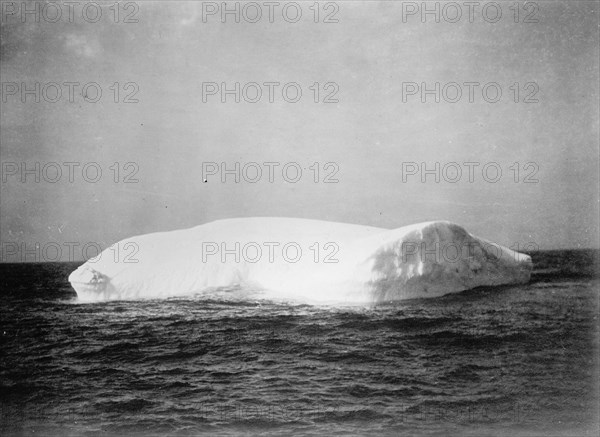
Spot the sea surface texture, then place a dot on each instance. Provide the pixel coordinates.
(512, 360)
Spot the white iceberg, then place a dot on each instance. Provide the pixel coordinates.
(300, 260)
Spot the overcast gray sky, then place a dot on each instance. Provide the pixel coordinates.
(370, 134)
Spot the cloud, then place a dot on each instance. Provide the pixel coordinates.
(191, 12)
(80, 45)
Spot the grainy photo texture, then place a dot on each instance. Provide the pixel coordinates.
(299, 218)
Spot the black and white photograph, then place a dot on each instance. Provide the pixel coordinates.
(300, 218)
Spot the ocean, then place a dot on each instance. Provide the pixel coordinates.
(512, 360)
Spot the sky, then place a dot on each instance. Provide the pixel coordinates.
(160, 122)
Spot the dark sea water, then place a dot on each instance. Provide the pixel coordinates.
(519, 360)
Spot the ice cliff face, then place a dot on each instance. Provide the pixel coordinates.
(302, 260)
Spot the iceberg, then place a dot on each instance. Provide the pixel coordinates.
(300, 260)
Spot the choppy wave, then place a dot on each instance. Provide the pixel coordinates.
(519, 360)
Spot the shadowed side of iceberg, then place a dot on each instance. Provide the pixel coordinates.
(90, 284)
(436, 258)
